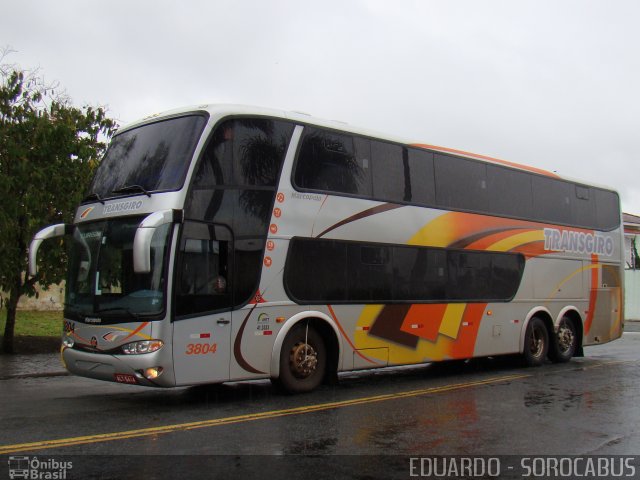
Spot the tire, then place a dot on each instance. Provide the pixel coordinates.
(297, 373)
(536, 343)
(565, 341)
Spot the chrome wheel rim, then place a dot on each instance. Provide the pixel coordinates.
(536, 347)
(566, 337)
(303, 360)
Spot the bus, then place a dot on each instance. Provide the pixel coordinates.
(227, 243)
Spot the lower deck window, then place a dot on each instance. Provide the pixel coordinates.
(338, 271)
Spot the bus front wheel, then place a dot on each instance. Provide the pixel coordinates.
(303, 360)
(536, 343)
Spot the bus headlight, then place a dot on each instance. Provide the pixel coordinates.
(143, 346)
(68, 342)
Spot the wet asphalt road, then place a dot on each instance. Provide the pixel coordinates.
(589, 406)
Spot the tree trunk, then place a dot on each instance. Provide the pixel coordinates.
(12, 308)
(7, 340)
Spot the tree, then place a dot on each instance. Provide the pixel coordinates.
(48, 152)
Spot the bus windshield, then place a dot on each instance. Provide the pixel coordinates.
(101, 282)
(153, 157)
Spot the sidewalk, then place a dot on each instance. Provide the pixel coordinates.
(31, 366)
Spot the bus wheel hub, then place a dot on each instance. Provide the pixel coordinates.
(565, 338)
(303, 360)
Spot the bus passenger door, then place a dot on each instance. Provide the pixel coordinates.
(202, 304)
(607, 315)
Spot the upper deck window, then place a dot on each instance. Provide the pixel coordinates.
(154, 156)
(331, 162)
(341, 163)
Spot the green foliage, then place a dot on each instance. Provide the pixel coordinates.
(49, 150)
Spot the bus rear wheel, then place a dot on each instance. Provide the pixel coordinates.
(565, 342)
(536, 343)
(303, 360)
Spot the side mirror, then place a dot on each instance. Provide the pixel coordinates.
(52, 231)
(144, 235)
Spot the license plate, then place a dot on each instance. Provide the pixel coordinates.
(125, 378)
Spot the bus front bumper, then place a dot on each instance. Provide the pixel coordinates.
(145, 369)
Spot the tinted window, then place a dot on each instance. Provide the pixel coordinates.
(461, 183)
(354, 272)
(341, 163)
(327, 161)
(420, 172)
(203, 282)
(235, 185)
(552, 200)
(248, 254)
(244, 152)
(391, 174)
(506, 273)
(317, 270)
(509, 192)
(421, 273)
(155, 156)
(369, 273)
(584, 208)
(607, 209)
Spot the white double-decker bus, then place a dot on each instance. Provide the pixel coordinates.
(227, 243)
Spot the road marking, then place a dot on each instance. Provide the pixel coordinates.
(215, 422)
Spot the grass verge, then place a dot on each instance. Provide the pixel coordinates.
(35, 332)
(39, 324)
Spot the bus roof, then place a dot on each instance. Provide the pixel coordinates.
(222, 110)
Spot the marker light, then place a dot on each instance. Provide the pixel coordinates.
(143, 346)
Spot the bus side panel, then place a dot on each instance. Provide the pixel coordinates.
(254, 331)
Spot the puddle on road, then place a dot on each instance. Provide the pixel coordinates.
(318, 446)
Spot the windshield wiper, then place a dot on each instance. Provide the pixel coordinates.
(120, 309)
(93, 196)
(132, 188)
(135, 315)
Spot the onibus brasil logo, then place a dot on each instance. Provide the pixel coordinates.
(38, 469)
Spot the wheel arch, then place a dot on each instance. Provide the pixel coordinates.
(325, 326)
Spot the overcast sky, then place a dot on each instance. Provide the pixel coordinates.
(549, 83)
